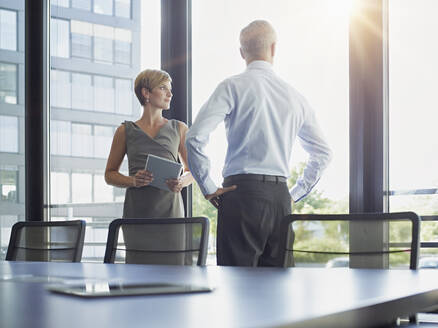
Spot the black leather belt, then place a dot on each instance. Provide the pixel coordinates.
(254, 177)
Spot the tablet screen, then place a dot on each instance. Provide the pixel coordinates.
(104, 289)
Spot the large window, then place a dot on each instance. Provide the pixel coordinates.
(91, 92)
(312, 55)
(12, 147)
(413, 144)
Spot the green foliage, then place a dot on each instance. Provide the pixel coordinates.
(202, 207)
(320, 237)
(314, 202)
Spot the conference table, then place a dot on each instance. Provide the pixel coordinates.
(242, 297)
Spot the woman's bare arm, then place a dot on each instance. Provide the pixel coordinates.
(187, 177)
(112, 172)
(117, 153)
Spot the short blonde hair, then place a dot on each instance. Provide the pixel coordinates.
(257, 38)
(149, 79)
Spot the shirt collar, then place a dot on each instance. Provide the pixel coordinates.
(260, 64)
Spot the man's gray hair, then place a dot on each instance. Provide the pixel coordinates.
(257, 38)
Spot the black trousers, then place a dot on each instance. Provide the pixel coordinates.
(249, 217)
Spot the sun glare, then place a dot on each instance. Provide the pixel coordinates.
(340, 8)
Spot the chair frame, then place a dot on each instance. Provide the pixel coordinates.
(114, 228)
(374, 217)
(10, 255)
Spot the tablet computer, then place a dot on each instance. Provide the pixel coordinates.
(162, 169)
(108, 289)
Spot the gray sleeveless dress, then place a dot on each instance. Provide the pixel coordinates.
(148, 201)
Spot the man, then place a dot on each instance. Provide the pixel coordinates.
(263, 115)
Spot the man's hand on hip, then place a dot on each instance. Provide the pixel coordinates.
(215, 197)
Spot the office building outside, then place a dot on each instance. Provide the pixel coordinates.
(94, 58)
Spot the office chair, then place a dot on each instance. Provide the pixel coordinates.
(288, 236)
(43, 241)
(175, 241)
(389, 247)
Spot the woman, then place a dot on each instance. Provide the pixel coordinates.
(151, 134)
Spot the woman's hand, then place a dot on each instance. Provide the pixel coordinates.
(142, 178)
(175, 185)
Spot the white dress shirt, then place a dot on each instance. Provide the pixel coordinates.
(263, 115)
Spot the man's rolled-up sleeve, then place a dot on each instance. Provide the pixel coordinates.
(313, 142)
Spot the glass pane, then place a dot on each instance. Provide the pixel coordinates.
(103, 137)
(104, 7)
(12, 97)
(82, 90)
(123, 97)
(311, 55)
(103, 94)
(6, 222)
(8, 30)
(103, 43)
(122, 46)
(123, 8)
(60, 3)
(8, 134)
(81, 187)
(82, 140)
(60, 138)
(81, 4)
(102, 192)
(8, 83)
(61, 89)
(59, 187)
(9, 183)
(81, 39)
(99, 75)
(59, 38)
(413, 68)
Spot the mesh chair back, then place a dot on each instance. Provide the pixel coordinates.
(175, 241)
(408, 230)
(57, 241)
